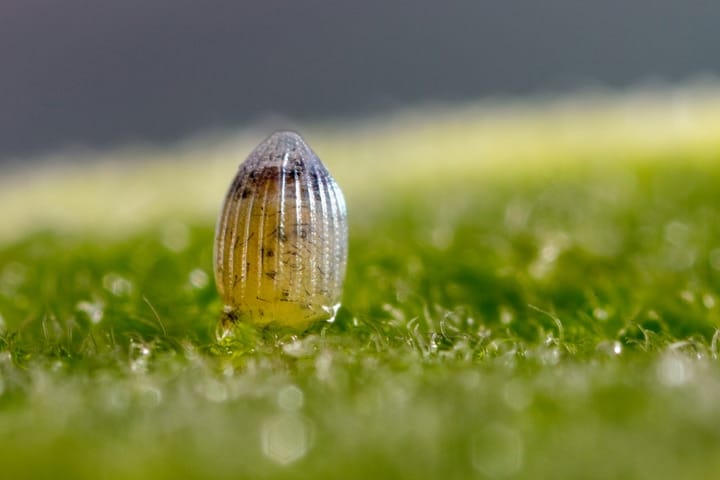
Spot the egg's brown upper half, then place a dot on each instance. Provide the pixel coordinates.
(281, 240)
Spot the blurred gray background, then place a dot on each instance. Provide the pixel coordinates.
(107, 72)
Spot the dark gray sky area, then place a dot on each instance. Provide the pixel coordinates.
(107, 72)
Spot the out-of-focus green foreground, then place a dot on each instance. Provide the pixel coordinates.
(533, 291)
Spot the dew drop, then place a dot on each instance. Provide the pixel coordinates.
(94, 310)
(117, 285)
(688, 296)
(198, 278)
(677, 233)
(674, 370)
(149, 396)
(290, 398)
(600, 313)
(139, 355)
(506, 316)
(286, 438)
(708, 301)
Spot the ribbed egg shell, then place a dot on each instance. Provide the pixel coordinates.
(281, 239)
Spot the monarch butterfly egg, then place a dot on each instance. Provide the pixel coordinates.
(281, 239)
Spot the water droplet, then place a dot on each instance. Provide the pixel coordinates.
(549, 356)
(290, 398)
(432, 346)
(57, 365)
(610, 348)
(117, 285)
(688, 296)
(708, 301)
(600, 313)
(674, 370)
(139, 355)
(149, 396)
(94, 310)
(198, 278)
(548, 255)
(286, 438)
(298, 348)
(506, 316)
(175, 236)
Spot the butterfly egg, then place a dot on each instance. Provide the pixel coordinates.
(281, 239)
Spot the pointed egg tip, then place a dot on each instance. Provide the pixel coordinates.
(282, 149)
(285, 136)
(285, 141)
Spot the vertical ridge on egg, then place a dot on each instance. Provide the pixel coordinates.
(281, 239)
